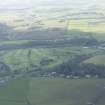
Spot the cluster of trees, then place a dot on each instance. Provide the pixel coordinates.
(4, 70)
(80, 70)
(72, 68)
(4, 31)
(75, 67)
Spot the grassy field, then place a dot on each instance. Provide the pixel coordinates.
(97, 30)
(17, 42)
(14, 92)
(83, 25)
(97, 60)
(20, 59)
(20, 23)
(51, 91)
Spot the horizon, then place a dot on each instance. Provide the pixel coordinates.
(18, 4)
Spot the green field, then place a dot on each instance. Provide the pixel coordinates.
(97, 60)
(20, 59)
(97, 30)
(14, 92)
(53, 55)
(83, 25)
(51, 91)
(17, 42)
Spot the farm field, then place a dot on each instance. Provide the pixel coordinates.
(21, 59)
(53, 91)
(52, 52)
(86, 26)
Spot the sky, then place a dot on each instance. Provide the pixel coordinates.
(29, 3)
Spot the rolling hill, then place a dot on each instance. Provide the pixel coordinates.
(52, 52)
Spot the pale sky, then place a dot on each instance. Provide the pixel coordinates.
(30, 3)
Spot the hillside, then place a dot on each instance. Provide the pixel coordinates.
(53, 36)
(52, 52)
